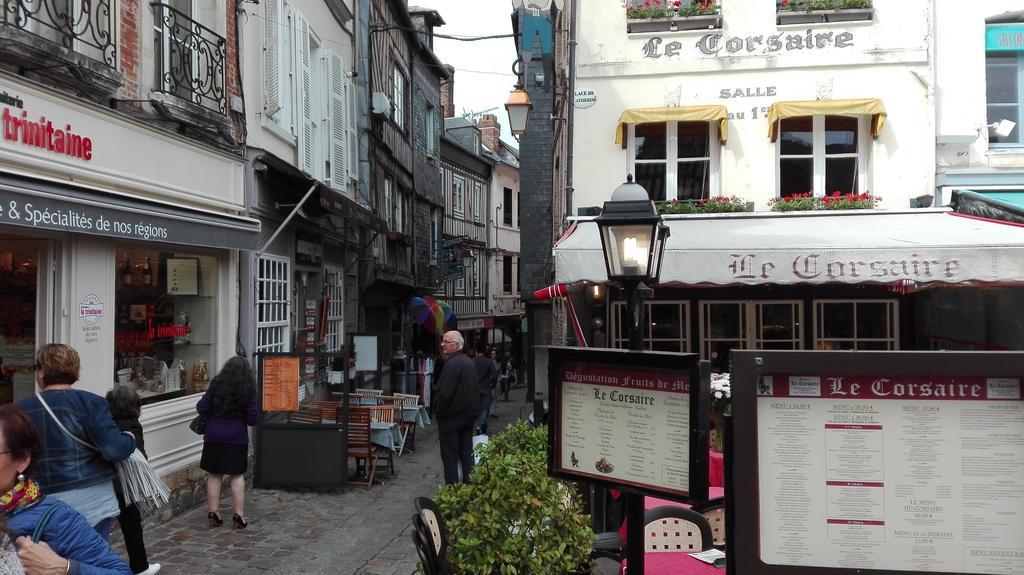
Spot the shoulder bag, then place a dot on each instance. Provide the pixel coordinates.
(139, 483)
(198, 424)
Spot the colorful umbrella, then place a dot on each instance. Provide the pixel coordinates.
(426, 311)
(450, 321)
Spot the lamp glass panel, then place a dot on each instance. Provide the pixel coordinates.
(628, 249)
(518, 115)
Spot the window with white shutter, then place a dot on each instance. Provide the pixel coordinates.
(273, 18)
(338, 119)
(273, 301)
(352, 128)
(304, 89)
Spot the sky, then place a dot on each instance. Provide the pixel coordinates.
(483, 69)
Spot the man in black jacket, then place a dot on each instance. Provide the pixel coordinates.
(456, 407)
(486, 377)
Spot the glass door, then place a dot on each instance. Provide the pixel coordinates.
(727, 325)
(23, 324)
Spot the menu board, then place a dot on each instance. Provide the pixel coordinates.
(910, 473)
(280, 383)
(628, 426)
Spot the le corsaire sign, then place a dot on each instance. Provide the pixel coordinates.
(20, 127)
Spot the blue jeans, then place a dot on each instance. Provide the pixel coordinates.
(485, 408)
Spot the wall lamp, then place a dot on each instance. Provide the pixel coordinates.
(518, 107)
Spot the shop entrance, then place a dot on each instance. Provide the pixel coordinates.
(727, 325)
(23, 313)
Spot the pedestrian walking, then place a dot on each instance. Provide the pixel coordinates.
(457, 407)
(126, 407)
(230, 406)
(79, 475)
(486, 378)
(505, 375)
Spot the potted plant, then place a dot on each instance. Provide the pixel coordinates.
(813, 11)
(671, 15)
(512, 517)
(721, 396)
(834, 201)
(713, 205)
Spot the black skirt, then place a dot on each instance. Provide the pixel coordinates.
(224, 458)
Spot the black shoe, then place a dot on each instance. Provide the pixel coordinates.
(239, 523)
(214, 520)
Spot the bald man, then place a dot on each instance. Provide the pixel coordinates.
(456, 406)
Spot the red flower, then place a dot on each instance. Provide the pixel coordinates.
(676, 3)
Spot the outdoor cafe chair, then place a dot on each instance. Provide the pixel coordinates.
(384, 414)
(408, 427)
(360, 448)
(675, 529)
(428, 559)
(714, 512)
(370, 394)
(436, 533)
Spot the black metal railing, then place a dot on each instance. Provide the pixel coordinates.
(190, 59)
(83, 26)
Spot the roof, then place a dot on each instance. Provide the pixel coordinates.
(922, 246)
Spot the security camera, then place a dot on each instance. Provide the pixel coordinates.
(1002, 128)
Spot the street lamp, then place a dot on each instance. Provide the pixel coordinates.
(518, 107)
(633, 241)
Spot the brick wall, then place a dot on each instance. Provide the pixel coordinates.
(129, 48)
(490, 131)
(448, 93)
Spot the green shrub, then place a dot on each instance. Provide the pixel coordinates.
(511, 518)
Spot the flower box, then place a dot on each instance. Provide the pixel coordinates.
(699, 22)
(649, 25)
(818, 16)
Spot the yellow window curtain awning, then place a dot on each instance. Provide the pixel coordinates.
(714, 113)
(860, 107)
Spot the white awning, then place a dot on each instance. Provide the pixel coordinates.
(867, 246)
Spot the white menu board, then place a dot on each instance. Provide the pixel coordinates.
(628, 426)
(908, 473)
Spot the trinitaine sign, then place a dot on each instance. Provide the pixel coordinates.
(884, 462)
(628, 419)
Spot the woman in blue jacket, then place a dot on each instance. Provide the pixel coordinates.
(78, 475)
(230, 406)
(67, 542)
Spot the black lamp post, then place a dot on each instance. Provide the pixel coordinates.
(633, 241)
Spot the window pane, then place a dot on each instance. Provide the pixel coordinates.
(692, 181)
(1001, 80)
(650, 141)
(777, 321)
(692, 140)
(796, 176)
(872, 320)
(652, 178)
(837, 320)
(840, 175)
(797, 137)
(840, 135)
(665, 321)
(997, 113)
(724, 321)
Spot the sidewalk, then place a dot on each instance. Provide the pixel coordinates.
(353, 531)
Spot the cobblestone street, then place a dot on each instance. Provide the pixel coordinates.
(353, 531)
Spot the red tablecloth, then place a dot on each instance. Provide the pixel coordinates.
(652, 502)
(670, 563)
(716, 469)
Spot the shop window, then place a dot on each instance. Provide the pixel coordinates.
(822, 155)
(334, 330)
(856, 324)
(20, 285)
(1004, 84)
(666, 326)
(675, 160)
(273, 301)
(165, 329)
(729, 325)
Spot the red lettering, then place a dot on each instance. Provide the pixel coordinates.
(43, 135)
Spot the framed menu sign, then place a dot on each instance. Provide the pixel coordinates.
(631, 420)
(279, 375)
(878, 462)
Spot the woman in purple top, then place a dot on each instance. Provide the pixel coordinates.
(230, 407)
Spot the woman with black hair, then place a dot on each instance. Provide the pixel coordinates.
(230, 407)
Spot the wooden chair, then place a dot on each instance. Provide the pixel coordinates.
(408, 427)
(676, 529)
(714, 512)
(435, 532)
(384, 414)
(360, 447)
(368, 393)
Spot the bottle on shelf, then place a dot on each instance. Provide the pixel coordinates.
(147, 273)
(126, 273)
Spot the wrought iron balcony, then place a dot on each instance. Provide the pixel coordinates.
(190, 59)
(82, 26)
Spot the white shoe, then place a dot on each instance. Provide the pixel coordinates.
(152, 570)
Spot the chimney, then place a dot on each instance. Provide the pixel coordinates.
(448, 93)
(490, 131)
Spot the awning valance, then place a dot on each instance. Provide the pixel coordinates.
(860, 107)
(713, 113)
(925, 246)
